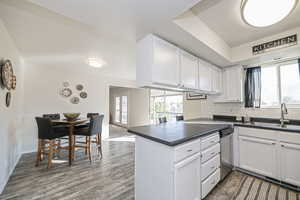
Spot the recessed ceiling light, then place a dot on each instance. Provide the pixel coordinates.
(262, 13)
(95, 62)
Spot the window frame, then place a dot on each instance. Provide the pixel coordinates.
(279, 84)
(164, 96)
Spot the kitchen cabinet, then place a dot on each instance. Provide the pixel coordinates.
(290, 163)
(187, 179)
(205, 76)
(216, 80)
(188, 70)
(157, 63)
(258, 155)
(232, 81)
(163, 65)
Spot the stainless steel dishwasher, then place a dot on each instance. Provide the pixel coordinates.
(226, 136)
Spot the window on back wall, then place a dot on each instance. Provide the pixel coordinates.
(165, 104)
(280, 84)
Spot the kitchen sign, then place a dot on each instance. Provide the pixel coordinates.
(275, 44)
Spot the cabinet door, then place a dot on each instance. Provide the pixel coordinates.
(258, 155)
(233, 84)
(204, 76)
(290, 163)
(188, 70)
(216, 80)
(187, 179)
(166, 63)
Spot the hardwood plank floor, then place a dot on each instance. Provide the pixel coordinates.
(111, 178)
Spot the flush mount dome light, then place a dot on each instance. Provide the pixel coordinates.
(95, 62)
(262, 13)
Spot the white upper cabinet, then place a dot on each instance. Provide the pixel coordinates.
(165, 63)
(232, 85)
(205, 76)
(216, 80)
(188, 70)
(157, 63)
(161, 64)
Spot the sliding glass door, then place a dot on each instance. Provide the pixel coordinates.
(121, 110)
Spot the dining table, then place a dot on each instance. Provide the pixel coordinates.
(71, 125)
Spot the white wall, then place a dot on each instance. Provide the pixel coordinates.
(138, 105)
(206, 108)
(42, 85)
(10, 118)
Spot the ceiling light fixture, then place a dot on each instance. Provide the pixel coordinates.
(262, 13)
(94, 62)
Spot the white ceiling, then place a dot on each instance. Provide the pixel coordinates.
(223, 17)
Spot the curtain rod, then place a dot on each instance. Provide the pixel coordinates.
(272, 62)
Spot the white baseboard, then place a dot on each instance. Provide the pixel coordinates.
(2, 185)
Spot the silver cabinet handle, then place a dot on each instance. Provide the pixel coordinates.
(190, 150)
(212, 141)
(212, 167)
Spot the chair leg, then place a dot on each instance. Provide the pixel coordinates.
(89, 147)
(50, 155)
(86, 143)
(39, 153)
(100, 144)
(74, 143)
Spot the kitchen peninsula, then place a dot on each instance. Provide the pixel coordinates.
(177, 161)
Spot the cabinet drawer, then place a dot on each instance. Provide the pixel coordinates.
(210, 183)
(210, 141)
(185, 150)
(210, 166)
(210, 152)
(259, 133)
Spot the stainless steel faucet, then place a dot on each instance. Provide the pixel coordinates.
(284, 111)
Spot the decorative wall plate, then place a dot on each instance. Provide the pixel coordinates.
(6, 74)
(75, 100)
(14, 82)
(7, 99)
(83, 95)
(79, 87)
(66, 84)
(66, 92)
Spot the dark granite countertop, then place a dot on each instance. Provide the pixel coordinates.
(176, 133)
(260, 125)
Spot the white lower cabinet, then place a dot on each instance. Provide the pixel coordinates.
(290, 163)
(275, 155)
(187, 179)
(258, 155)
(210, 183)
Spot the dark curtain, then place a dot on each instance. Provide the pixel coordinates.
(253, 87)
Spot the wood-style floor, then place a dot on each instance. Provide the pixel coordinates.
(111, 178)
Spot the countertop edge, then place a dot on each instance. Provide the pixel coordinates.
(181, 141)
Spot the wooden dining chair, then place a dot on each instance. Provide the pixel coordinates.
(94, 130)
(47, 135)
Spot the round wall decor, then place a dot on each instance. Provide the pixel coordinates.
(75, 100)
(83, 95)
(66, 84)
(6, 74)
(8, 99)
(79, 87)
(66, 92)
(14, 82)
